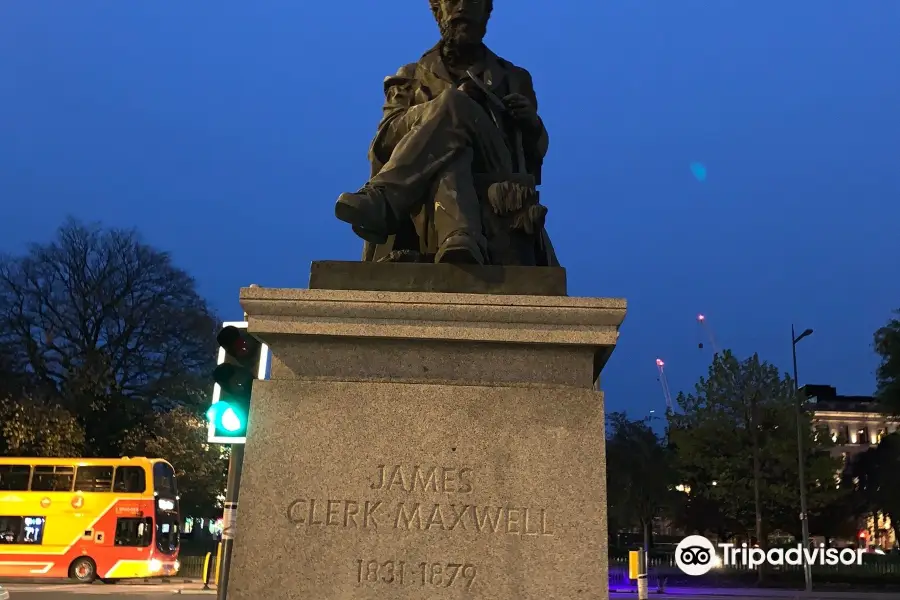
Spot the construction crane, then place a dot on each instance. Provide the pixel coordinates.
(706, 332)
(660, 365)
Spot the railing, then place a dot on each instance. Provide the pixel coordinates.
(660, 567)
(872, 565)
(203, 568)
(662, 573)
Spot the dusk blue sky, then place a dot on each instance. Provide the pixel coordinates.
(224, 131)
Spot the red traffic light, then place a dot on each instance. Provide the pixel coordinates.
(237, 342)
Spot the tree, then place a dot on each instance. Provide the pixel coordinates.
(699, 510)
(736, 448)
(107, 326)
(33, 427)
(887, 345)
(861, 476)
(873, 476)
(31, 423)
(887, 459)
(179, 436)
(639, 472)
(829, 502)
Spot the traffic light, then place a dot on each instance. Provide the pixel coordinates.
(242, 359)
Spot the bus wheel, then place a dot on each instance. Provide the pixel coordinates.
(83, 570)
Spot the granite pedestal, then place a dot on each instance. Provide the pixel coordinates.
(425, 445)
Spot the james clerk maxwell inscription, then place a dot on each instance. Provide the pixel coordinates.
(444, 514)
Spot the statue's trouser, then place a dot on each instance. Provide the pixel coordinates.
(439, 142)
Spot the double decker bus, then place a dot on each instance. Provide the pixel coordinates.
(88, 519)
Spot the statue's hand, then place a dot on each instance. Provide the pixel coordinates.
(523, 111)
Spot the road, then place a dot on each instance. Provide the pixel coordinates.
(755, 594)
(44, 591)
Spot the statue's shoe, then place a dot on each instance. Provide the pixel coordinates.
(368, 213)
(460, 249)
(370, 236)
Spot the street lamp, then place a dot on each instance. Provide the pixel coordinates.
(804, 519)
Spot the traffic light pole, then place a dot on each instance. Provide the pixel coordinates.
(232, 491)
(236, 457)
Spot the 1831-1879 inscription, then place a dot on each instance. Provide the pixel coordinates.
(399, 572)
(451, 511)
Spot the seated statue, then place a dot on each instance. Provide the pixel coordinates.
(457, 156)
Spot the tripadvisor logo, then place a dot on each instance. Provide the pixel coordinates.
(696, 555)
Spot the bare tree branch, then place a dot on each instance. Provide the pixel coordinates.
(109, 323)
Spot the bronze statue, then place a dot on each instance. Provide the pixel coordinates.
(457, 156)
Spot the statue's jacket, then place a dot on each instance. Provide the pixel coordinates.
(425, 80)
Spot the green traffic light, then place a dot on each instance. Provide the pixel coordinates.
(226, 417)
(230, 421)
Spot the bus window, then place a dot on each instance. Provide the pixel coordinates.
(167, 534)
(33, 532)
(130, 480)
(164, 480)
(93, 479)
(14, 478)
(52, 479)
(10, 528)
(21, 530)
(134, 532)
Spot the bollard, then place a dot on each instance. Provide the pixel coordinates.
(206, 570)
(218, 561)
(642, 588)
(634, 564)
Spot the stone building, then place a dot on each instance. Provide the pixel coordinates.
(855, 424)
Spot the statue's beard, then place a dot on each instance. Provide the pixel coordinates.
(461, 40)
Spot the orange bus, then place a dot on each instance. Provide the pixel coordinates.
(88, 518)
